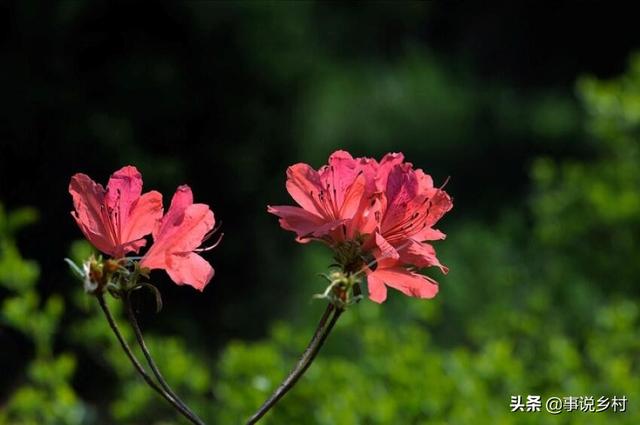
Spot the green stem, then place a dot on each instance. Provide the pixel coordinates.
(322, 331)
(136, 364)
(152, 364)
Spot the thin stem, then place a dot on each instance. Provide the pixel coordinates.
(136, 364)
(318, 339)
(152, 364)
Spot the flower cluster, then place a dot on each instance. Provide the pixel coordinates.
(377, 217)
(117, 219)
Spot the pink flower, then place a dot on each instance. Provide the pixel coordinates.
(117, 219)
(411, 205)
(367, 209)
(177, 238)
(332, 200)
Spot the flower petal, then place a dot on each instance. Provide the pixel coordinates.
(178, 234)
(187, 232)
(420, 255)
(387, 164)
(377, 288)
(123, 189)
(401, 193)
(88, 197)
(367, 218)
(352, 197)
(425, 182)
(297, 219)
(439, 203)
(144, 214)
(429, 234)
(338, 177)
(386, 251)
(179, 202)
(189, 269)
(303, 182)
(132, 216)
(185, 224)
(338, 193)
(409, 283)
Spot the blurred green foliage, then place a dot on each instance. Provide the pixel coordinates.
(43, 394)
(543, 300)
(131, 400)
(420, 101)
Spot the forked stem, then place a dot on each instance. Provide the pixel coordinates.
(322, 331)
(152, 364)
(139, 368)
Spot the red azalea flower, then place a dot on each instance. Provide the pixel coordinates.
(115, 220)
(177, 238)
(333, 200)
(411, 205)
(364, 209)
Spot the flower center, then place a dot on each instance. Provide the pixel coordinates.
(349, 255)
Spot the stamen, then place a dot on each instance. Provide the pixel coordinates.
(106, 218)
(382, 257)
(214, 230)
(445, 182)
(117, 209)
(209, 248)
(320, 204)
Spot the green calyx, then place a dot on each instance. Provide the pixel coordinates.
(119, 277)
(343, 289)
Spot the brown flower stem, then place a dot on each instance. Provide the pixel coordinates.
(139, 368)
(322, 331)
(152, 364)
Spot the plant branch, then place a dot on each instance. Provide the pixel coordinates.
(139, 368)
(322, 331)
(152, 364)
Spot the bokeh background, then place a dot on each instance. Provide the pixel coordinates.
(532, 110)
